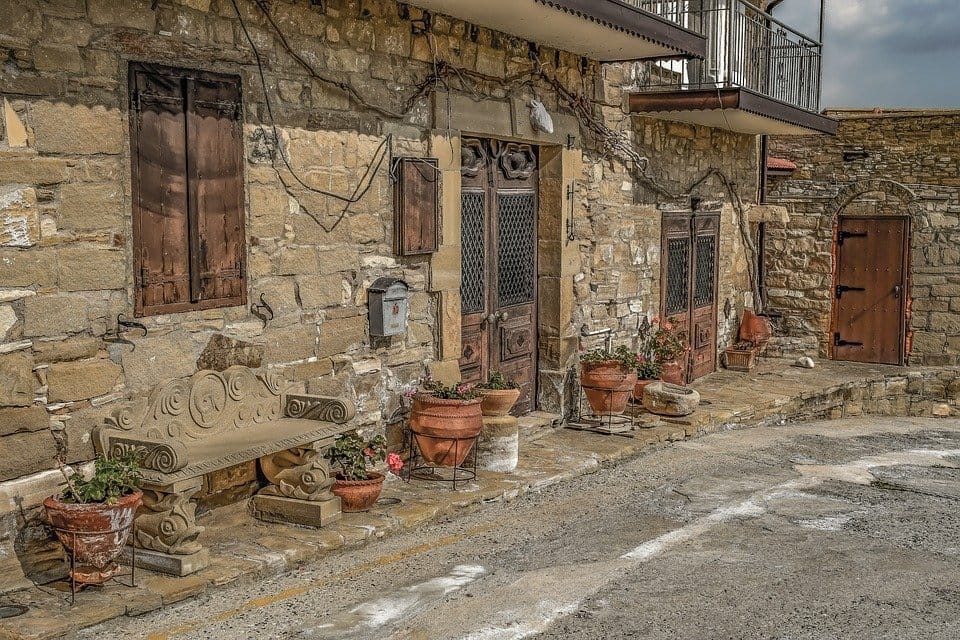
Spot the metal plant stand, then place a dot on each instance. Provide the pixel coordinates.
(419, 469)
(77, 586)
(606, 423)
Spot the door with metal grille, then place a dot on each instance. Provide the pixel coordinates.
(869, 306)
(498, 288)
(688, 284)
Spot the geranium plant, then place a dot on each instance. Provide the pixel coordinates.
(112, 479)
(458, 391)
(352, 452)
(662, 342)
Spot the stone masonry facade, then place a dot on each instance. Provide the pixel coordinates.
(898, 163)
(65, 214)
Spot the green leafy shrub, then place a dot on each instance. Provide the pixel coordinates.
(649, 370)
(112, 479)
(450, 392)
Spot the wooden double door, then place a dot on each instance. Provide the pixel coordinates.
(869, 293)
(688, 284)
(498, 240)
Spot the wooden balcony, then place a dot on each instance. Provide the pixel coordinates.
(759, 76)
(604, 30)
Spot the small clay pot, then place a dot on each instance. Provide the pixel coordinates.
(445, 430)
(674, 373)
(358, 495)
(498, 402)
(639, 387)
(608, 385)
(95, 532)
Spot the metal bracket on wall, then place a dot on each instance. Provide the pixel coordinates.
(571, 191)
(125, 324)
(263, 311)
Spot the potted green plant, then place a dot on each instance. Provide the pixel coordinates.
(358, 487)
(648, 370)
(93, 516)
(498, 394)
(445, 421)
(608, 379)
(742, 356)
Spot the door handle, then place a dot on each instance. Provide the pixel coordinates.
(489, 319)
(503, 316)
(897, 290)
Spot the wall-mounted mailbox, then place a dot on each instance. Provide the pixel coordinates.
(388, 301)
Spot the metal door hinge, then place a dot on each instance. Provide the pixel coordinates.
(838, 342)
(843, 235)
(840, 289)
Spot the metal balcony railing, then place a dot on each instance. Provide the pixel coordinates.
(746, 48)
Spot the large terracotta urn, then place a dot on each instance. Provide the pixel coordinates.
(608, 385)
(445, 430)
(754, 328)
(358, 495)
(95, 533)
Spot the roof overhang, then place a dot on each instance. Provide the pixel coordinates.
(736, 109)
(604, 30)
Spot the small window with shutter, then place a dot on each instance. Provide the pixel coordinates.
(186, 134)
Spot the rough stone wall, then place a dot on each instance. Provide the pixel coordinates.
(65, 223)
(619, 231)
(912, 167)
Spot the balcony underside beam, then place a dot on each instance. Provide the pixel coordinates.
(735, 109)
(604, 30)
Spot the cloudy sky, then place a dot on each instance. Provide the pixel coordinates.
(890, 53)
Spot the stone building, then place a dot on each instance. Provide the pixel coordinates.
(876, 207)
(193, 184)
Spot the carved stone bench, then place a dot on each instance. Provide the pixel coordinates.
(211, 421)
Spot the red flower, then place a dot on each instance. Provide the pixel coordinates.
(395, 462)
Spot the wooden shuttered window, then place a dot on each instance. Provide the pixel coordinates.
(188, 203)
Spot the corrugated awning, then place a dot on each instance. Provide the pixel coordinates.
(604, 30)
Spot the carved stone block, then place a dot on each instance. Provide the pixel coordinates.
(290, 510)
(175, 565)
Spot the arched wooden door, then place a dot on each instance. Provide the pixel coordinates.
(498, 238)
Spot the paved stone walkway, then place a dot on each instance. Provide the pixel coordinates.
(245, 549)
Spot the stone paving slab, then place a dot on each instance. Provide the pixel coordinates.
(245, 550)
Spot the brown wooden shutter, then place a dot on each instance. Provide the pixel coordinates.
(159, 163)
(416, 206)
(189, 242)
(215, 182)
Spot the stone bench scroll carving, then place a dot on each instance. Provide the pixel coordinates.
(211, 421)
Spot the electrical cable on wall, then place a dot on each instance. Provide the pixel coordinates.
(611, 142)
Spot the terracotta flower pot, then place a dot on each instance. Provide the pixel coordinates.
(639, 387)
(445, 430)
(608, 385)
(96, 533)
(358, 495)
(498, 402)
(754, 328)
(674, 373)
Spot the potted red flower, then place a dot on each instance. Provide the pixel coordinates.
(358, 487)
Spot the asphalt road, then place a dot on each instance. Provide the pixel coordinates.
(831, 530)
